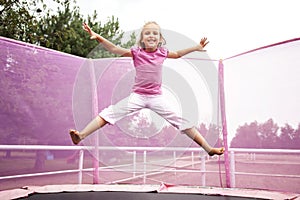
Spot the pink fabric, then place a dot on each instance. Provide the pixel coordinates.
(148, 67)
(45, 92)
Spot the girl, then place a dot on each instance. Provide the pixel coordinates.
(148, 59)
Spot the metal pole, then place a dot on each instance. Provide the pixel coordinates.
(224, 123)
(232, 168)
(193, 162)
(203, 169)
(81, 154)
(134, 163)
(175, 166)
(95, 113)
(145, 166)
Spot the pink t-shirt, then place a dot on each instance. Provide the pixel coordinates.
(148, 65)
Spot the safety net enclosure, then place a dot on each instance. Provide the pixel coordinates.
(36, 106)
(262, 85)
(262, 112)
(44, 93)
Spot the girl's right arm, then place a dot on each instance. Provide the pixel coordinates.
(106, 43)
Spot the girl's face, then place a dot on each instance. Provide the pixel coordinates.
(151, 37)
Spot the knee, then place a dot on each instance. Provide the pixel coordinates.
(188, 130)
(101, 121)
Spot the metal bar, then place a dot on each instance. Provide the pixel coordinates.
(203, 170)
(224, 123)
(145, 166)
(134, 163)
(80, 163)
(193, 159)
(145, 174)
(232, 168)
(174, 160)
(39, 174)
(50, 147)
(95, 111)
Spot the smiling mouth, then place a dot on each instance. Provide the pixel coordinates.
(151, 41)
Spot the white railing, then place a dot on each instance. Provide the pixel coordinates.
(145, 163)
(252, 155)
(134, 164)
(48, 147)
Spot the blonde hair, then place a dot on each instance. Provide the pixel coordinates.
(162, 39)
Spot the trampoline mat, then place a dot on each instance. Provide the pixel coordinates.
(128, 196)
(139, 192)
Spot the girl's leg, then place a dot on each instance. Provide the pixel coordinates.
(199, 139)
(94, 125)
(110, 115)
(161, 107)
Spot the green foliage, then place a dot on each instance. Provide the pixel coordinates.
(266, 135)
(35, 22)
(17, 19)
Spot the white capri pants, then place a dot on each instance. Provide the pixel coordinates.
(136, 102)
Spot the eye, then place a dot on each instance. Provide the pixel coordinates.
(155, 33)
(147, 33)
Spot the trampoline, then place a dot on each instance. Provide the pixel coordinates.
(29, 98)
(135, 192)
(127, 196)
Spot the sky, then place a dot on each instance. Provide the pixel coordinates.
(231, 26)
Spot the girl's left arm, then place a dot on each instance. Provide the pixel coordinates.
(180, 53)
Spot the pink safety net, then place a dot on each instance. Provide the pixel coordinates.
(262, 112)
(262, 85)
(44, 93)
(36, 109)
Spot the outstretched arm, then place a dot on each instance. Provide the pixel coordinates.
(180, 53)
(106, 43)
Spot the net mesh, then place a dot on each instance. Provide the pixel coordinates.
(44, 93)
(262, 85)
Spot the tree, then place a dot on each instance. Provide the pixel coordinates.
(289, 137)
(247, 137)
(296, 139)
(268, 134)
(33, 22)
(17, 19)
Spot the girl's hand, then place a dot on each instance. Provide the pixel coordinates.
(89, 30)
(203, 43)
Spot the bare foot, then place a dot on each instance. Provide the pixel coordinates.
(216, 151)
(75, 136)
